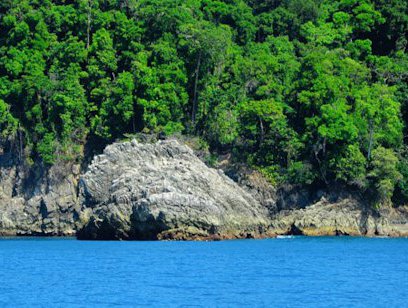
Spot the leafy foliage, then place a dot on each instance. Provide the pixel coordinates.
(307, 91)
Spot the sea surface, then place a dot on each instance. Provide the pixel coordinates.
(285, 272)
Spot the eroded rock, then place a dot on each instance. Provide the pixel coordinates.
(347, 216)
(37, 204)
(163, 191)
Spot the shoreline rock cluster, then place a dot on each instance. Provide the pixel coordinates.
(163, 191)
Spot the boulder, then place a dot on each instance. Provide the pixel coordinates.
(164, 191)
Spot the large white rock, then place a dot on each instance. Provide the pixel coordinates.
(162, 190)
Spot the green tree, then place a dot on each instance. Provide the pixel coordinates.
(384, 174)
(8, 123)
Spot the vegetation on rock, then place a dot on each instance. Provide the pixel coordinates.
(307, 91)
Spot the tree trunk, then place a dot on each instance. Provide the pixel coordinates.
(193, 113)
(316, 149)
(370, 141)
(88, 28)
(262, 137)
(20, 152)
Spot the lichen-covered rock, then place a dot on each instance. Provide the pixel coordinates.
(163, 191)
(347, 216)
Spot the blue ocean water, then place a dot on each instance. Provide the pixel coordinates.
(293, 272)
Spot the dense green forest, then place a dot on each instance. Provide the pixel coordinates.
(310, 92)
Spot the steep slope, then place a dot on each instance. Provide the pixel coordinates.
(35, 201)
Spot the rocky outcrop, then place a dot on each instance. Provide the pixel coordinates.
(347, 216)
(37, 202)
(163, 191)
(254, 183)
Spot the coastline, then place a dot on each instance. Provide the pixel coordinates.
(210, 239)
(163, 191)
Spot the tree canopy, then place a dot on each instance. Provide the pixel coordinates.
(308, 91)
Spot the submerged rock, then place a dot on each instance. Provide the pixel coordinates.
(163, 191)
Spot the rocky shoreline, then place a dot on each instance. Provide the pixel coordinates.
(163, 191)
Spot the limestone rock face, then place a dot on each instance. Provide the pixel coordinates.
(347, 216)
(163, 191)
(255, 184)
(38, 203)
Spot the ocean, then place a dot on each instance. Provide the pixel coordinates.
(283, 272)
